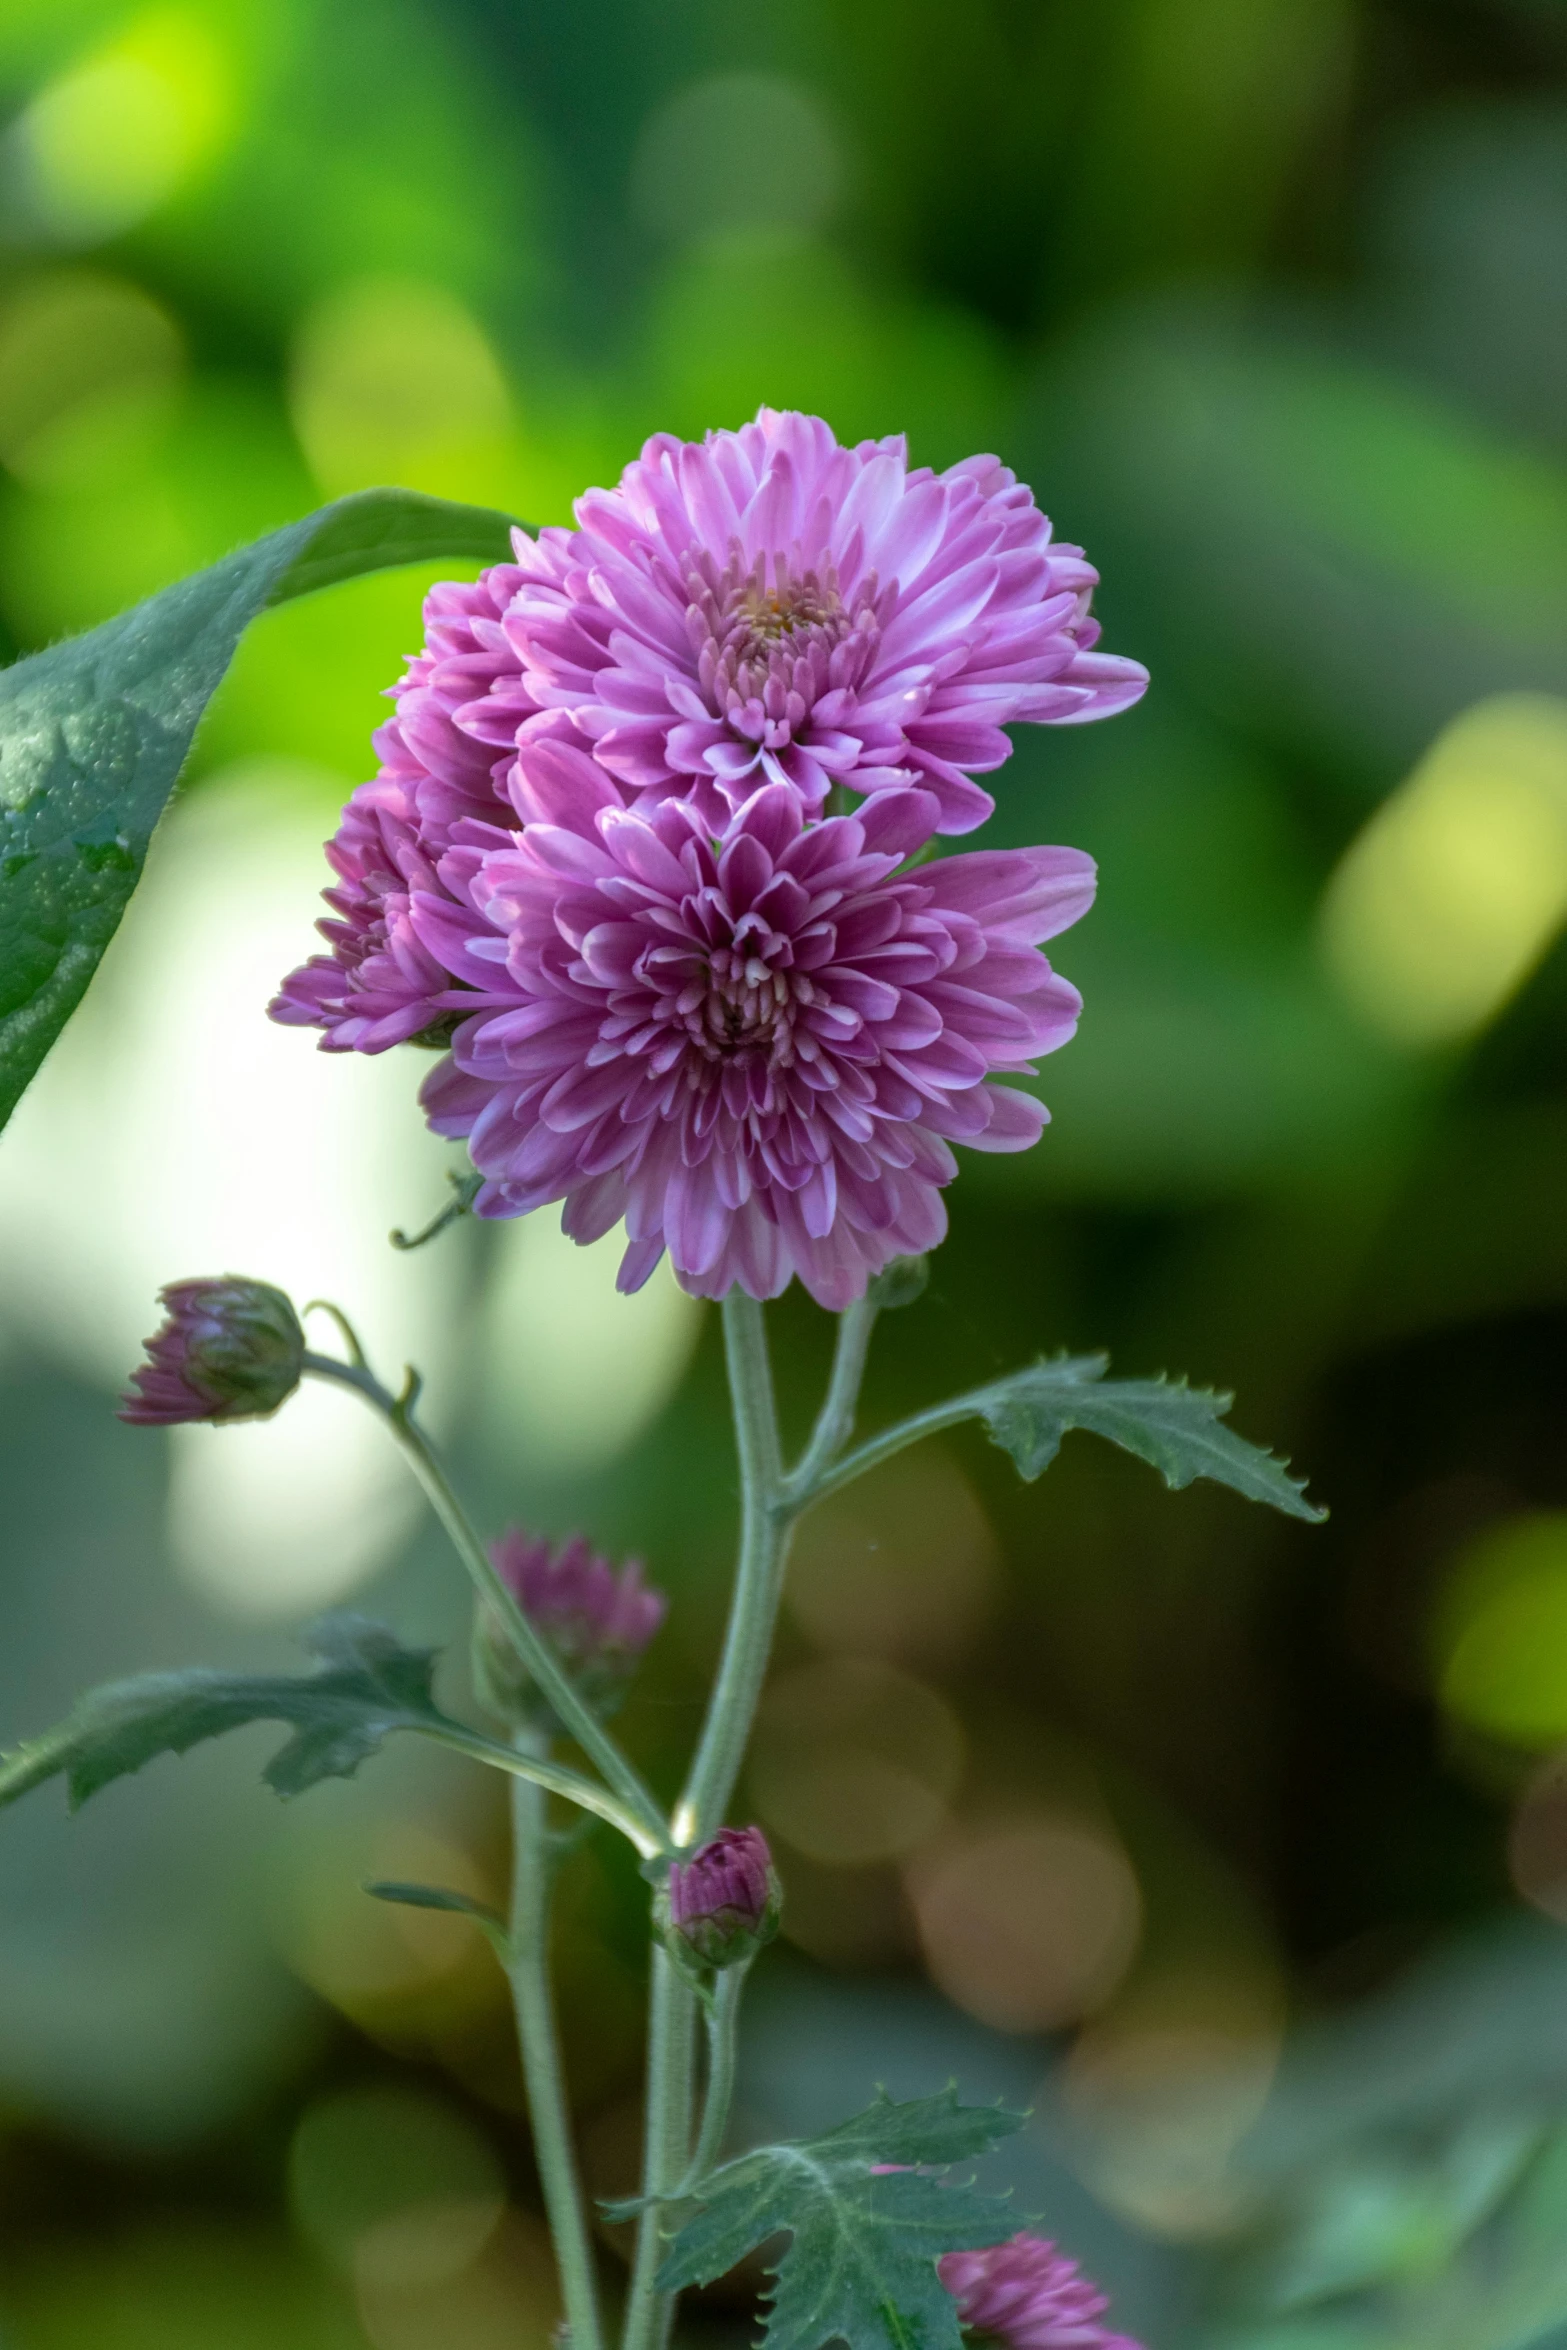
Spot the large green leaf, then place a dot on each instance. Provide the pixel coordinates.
(366, 1686)
(860, 2266)
(1178, 1429)
(94, 732)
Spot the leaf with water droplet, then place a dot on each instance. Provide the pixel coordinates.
(94, 732)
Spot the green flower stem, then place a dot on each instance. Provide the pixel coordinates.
(569, 1708)
(764, 1541)
(528, 1967)
(769, 1505)
(835, 1421)
(723, 2043)
(666, 2145)
(765, 1521)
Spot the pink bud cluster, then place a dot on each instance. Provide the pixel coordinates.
(586, 1610)
(596, 1619)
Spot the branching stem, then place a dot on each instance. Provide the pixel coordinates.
(553, 1777)
(835, 1421)
(723, 2040)
(833, 1475)
(589, 1733)
(770, 1501)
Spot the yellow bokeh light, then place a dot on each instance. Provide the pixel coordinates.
(1166, 2083)
(1501, 1632)
(89, 368)
(404, 1975)
(572, 1369)
(503, 2299)
(903, 1566)
(854, 1761)
(394, 2182)
(113, 138)
(1445, 902)
(1028, 1924)
(1537, 1840)
(393, 380)
(1168, 2107)
(737, 150)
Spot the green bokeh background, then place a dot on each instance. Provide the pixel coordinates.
(1268, 300)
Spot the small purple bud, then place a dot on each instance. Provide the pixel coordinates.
(597, 1621)
(725, 1900)
(231, 1349)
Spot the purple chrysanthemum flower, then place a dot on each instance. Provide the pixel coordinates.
(378, 986)
(761, 606)
(594, 859)
(230, 1349)
(596, 1619)
(375, 987)
(725, 1900)
(1025, 2295)
(754, 1048)
(587, 1611)
(767, 606)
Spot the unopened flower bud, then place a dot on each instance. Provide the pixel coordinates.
(723, 1903)
(596, 1621)
(900, 1283)
(231, 1349)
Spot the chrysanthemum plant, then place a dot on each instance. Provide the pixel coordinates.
(655, 865)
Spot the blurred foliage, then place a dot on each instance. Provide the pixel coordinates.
(1216, 1827)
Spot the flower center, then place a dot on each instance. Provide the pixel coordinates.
(761, 617)
(770, 640)
(748, 1000)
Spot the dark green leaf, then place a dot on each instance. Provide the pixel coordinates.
(1178, 1429)
(378, 530)
(860, 2266)
(94, 732)
(367, 1685)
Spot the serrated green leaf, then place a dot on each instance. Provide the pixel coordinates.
(366, 1686)
(1178, 1429)
(94, 732)
(860, 2266)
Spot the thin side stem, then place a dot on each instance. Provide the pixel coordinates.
(533, 2002)
(835, 1421)
(589, 1733)
(723, 2045)
(877, 1449)
(551, 1776)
